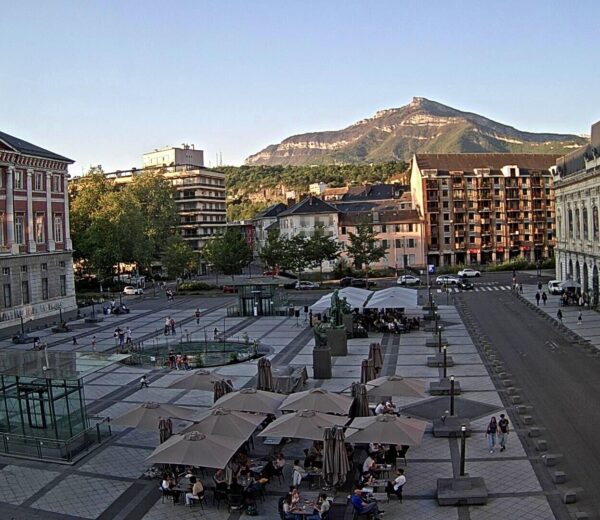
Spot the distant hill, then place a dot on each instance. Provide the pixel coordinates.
(394, 134)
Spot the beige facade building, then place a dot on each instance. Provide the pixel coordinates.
(187, 155)
(577, 192)
(484, 208)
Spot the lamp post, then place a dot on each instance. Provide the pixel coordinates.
(93, 309)
(22, 327)
(445, 361)
(463, 445)
(60, 313)
(439, 330)
(451, 395)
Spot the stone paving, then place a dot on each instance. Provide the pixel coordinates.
(107, 484)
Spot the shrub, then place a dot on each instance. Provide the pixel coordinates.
(195, 286)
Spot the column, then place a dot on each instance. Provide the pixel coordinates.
(10, 212)
(49, 223)
(67, 238)
(30, 218)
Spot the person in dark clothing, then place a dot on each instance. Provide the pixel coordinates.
(537, 298)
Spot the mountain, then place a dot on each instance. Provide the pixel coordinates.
(422, 126)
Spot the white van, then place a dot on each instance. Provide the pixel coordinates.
(554, 287)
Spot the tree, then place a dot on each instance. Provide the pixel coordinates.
(321, 248)
(273, 251)
(228, 253)
(363, 248)
(296, 256)
(178, 257)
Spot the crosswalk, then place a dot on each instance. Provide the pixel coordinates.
(478, 288)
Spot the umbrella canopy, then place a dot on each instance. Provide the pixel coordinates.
(221, 388)
(354, 296)
(318, 400)
(396, 386)
(393, 298)
(570, 284)
(367, 371)
(227, 422)
(147, 416)
(387, 429)
(305, 424)
(251, 400)
(196, 449)
(199, 380)
(376, 355)
(265, 375)
(335, 457)
(360, 406)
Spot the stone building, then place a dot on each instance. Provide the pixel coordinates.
(36, 263)
(577, 192)
(484, 208)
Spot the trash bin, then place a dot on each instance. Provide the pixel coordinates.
(322, 363)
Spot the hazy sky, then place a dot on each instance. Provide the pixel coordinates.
(104, 81)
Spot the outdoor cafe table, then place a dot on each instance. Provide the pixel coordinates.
(382, 469)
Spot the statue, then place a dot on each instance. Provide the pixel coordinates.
(338, 309)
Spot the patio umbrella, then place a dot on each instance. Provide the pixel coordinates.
(265, 376)
(335, 456)
(360, 406)
(220, 388)
(199, 380)
(306, 424)
(147, 416)
(318, 400)
(396, 386)
(570, 284)
(387, 429)
(165, 429)
(196, 449)
(367, 371)
(377, 356)
(251, 400)
(226, 422)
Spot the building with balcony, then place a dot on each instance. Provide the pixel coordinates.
(36, 262)
(484, 208)
(265, 221)
(577, 193)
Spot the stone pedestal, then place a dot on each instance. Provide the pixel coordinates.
(337, 342)
(461, 491)
(437, 361)
(442, 387)
(451, 426)
(22, 340)
(94, 319)
(348, 323)
(435, 343)
(322, 363)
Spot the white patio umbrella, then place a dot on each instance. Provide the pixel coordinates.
(251, 400)
(199, 380)
(396, 386)
(306, 424)
(229, 423)
(387, 429)
(147, 415)
(319, 400)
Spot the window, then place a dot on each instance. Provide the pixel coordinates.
(18, 180)
(19, 228)
(445, 204)
(584, 218)
(411, 243)
(577, 224)
(384, 243)
(44, 267)
(1, 227)
(595, 223)
(38, 181)
(58, 228)
(384, 228)
(61, 264)
(343, 230)
(39, 228)
(25, 291)
(6, 271)
(399, 242)
(24, 269)
(7, 295)
(446, 240)
(44, 288)
(56, 184)
(63, 285)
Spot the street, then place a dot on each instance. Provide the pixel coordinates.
(557, 378)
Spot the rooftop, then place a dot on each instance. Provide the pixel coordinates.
(25, 148)
(309, 205)
(467, 162)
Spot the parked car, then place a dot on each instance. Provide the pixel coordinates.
(408, 279)
(131, 290)
(446, 279)
(305, 284)
(271, 272)
(229, 289)
(465, 285)
(468, 273)
(554, 287)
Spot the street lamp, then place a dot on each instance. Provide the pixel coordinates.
(451, 395)
(445, 362)
(439, 329)
(463, 446)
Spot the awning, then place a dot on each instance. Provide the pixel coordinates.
(355, 297)
(393, 298)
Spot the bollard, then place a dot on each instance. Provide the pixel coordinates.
(569, 497)
(559, 477)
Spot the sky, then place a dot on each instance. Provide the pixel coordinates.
(102, 82)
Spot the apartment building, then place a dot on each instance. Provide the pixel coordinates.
(36, 262)
(265, 221)
(484, 208)
(577, 193)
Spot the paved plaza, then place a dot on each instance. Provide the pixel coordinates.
(108, 483)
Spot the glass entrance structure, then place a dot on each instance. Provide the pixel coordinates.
(259, 297)
(42, 402)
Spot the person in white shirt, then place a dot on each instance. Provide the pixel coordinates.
(380, 409)
(398, 483)
(368, 464)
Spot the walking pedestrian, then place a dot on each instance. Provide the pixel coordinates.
(128, 338)
(579, 318)
(490, 433)
(502, 431)
(144, 382)
(559, 315)
(539, 286)
(167, 325)
(310, 318)
(75, 338)
(197, 316)
(521, 288)
(537, 298)
(172, 324)
(544, 297)
(93, 343)
(216, 334)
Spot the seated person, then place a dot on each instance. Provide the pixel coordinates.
(269, 470)
(220, 480)
(197, 491)
(287, 508)
(244, 470)
(323, 505)
(380, 409)
(236, 488)
(366, 480)
(298, 473)
(391, 407)
(368, 464)
(280, 461)
(363, 507)
(167, 485)
(395, 486)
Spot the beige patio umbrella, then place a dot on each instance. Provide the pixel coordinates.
(319, 400)
(220, 388)
(251, 400)
(387, 429)
(396, 386)
(226, 422)
(305, 424)
(376, 355)
(335, 457)
(147, 415)
(265, 376)
(367, 371)
(196, 449)
(360, 406)
(200, 380)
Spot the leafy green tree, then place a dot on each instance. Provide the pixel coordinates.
(321, 248)
(228, 253)
(296, 257)
(178, 257)
(272, 253)
(363, 248)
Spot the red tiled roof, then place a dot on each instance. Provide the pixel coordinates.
(467, 162)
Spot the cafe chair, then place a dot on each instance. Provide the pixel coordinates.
(218, 495)
(199, 499)
(279, 474)
(165, 495)
(235, 502)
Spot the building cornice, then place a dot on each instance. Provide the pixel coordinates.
(8, 158)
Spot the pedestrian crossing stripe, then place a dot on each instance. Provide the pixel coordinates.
(478, 289)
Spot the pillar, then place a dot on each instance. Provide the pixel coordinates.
(30, 218)
(10, 211)
(67, 238)
(49, 222)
